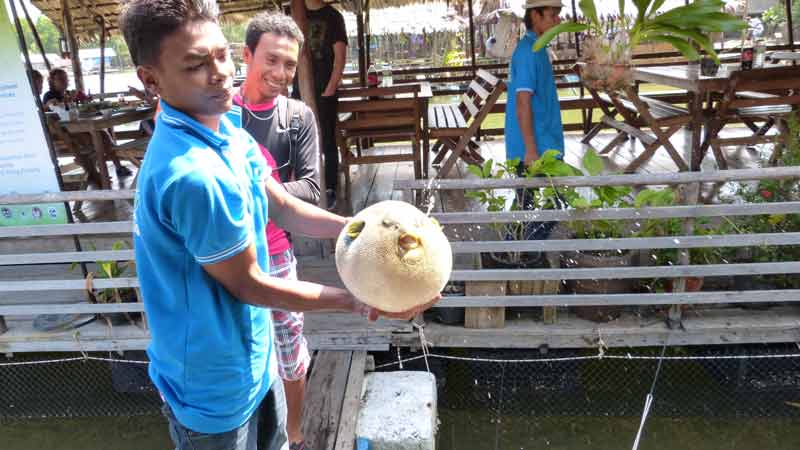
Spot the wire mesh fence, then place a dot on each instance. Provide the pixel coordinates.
(714, 382)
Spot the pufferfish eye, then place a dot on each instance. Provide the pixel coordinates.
(355, 228)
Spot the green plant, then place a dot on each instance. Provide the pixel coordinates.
(109, 270)
(683, 27)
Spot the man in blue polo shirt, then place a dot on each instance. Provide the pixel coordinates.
(533, 114)
(201, 250)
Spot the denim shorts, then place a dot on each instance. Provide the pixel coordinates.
(265, 430)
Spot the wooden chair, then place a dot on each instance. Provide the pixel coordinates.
(65, 146)
(379, 114)
(639, 111)
(454, 126)
(750, 98)
(133, 150)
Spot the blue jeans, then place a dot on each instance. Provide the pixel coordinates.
(265, 430)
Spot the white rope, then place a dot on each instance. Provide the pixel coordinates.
(67, 360)
(592, 357)
(423, 343)
(648, 401)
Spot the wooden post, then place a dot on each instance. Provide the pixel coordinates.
(3, 326)
(366, 35)
(689, 195)
(471, 37)
(35, 34)
(102, 22)
(362, 61)
(72, 43)
(488, 317)
(789, 24)
(305, 82)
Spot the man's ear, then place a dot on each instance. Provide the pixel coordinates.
(149, 78)
(247, 55)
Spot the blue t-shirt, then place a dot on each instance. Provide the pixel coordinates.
(532, 72)
(201, 200)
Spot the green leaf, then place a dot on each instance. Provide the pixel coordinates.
(589, 10)
(688, 51)
(580, 203)
(487, 168)
(475, 170)
(592, 163)
(655, 7)
(549, 35)
(621, 6)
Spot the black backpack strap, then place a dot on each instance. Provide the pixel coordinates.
(290, 119)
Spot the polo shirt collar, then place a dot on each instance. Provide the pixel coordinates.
(177, 119)
(531, 34)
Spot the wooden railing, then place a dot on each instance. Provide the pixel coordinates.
(732, 324)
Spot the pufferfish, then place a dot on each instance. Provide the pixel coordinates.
(393, 257)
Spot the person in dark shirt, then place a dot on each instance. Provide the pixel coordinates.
(286, 133)
(327, 42)
(38, 82)
(57, 83)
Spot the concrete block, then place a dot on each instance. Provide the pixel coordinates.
(398, 411)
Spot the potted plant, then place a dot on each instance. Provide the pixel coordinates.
(608, 46)
(109, 270)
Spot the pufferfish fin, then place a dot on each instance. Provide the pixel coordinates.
(436, 222)
(354, 228)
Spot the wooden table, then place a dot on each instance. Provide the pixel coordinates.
(424, 95)
(699, 87)
(95, 126)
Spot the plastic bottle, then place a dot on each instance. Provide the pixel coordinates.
(759, 54)
(372, 76)
(747, 54)
(387, 74)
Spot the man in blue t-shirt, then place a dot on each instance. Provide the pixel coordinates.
(533, 114)
(201, 251)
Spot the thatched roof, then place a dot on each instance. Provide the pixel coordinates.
(84, 11)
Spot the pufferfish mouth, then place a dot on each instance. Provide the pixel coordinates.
(409, 241)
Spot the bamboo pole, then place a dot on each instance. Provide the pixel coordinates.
(362, 62)
(72, 43)
(35, 34)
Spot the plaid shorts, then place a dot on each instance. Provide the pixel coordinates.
(290, 344)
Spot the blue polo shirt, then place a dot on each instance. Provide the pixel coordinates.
(200, 201)
(532, 72)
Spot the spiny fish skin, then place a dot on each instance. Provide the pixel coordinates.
(393, 257)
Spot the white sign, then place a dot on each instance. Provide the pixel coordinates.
(25, 164)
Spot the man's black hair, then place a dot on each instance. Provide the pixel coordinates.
(146, 23)
(271, 22)
(529, 20)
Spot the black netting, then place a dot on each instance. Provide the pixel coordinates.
(746, 387)
(712, 388)
(82, 388)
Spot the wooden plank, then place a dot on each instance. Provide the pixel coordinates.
(324, 397)
(96, 336)
(65, 285)
(38, 231)
(486, 75)
(76, 308)
(639, 179)
(66, 257)
(482, 93)
(68, 196)
(485, 317)
(346, 435)
(607, 273)
(568, 245)
(683, 298)
(665, 212)
(709, 327)
(473, 110)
